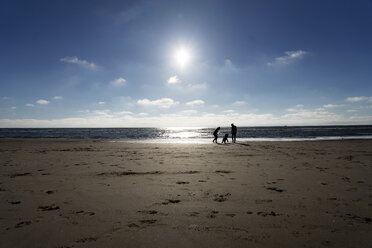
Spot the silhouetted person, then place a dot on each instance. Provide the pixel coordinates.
(234, 130)
(224, 140)
(215, 134)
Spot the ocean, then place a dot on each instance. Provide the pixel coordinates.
(195, 135)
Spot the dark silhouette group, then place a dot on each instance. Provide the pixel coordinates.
(225, 140)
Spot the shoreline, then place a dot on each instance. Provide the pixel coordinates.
(200, 140)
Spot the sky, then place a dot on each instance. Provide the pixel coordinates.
(185, 63)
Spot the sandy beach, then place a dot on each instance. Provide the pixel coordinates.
(87, 193)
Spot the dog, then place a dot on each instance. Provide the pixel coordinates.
(224, 140)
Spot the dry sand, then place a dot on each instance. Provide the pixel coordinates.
(85, 193)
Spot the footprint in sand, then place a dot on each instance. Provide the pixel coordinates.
(151, 221)
(49, 208)
(263, 201)
(264, 214)
(85, 212)
(221, 197)
(22, 223)
(20, 174)
(133, 225)
(171, 201)
(213, 214)
(230, 215)
(346, 179)
(194, 214)
(322, 169)
(223, 171)
(332, 199)
(275, 189)
(84, 240)
(148, 211)
(359, 219)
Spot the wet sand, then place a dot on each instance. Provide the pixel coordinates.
(85, 193)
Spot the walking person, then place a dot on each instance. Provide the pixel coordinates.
(234, 130)
(215, 134)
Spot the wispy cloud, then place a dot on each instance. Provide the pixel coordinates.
(174, 80)
(101, 103)
(76, 60)
(228, 62)
(359, 99)
(312, 116)
(124, 113)
(42, 102)
(332, 105)
(118, 82)
(195, 103)
(229, 111)
(13, 108)
(161, 103)
(239, 103)
(58, 98)
(351, 111)
(105, 113)
(29, 105)
(296, 108)
(290, 57)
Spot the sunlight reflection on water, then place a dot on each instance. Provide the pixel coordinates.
(241, 140)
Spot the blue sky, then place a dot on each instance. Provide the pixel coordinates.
(185, 63)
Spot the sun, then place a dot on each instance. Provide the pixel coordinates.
(182, 57)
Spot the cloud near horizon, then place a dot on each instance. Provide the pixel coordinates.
(359, 99)
(195, 103)
(332, 105)
(42, 102)
(76, 60)
(239, 103)
(160, 103)
(104, 118)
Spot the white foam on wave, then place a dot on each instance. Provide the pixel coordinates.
(207, 141)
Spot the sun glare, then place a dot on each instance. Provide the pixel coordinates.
(183, 57)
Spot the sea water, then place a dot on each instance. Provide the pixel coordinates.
(196, 135)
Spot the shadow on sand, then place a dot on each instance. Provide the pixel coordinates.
(243, 144)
